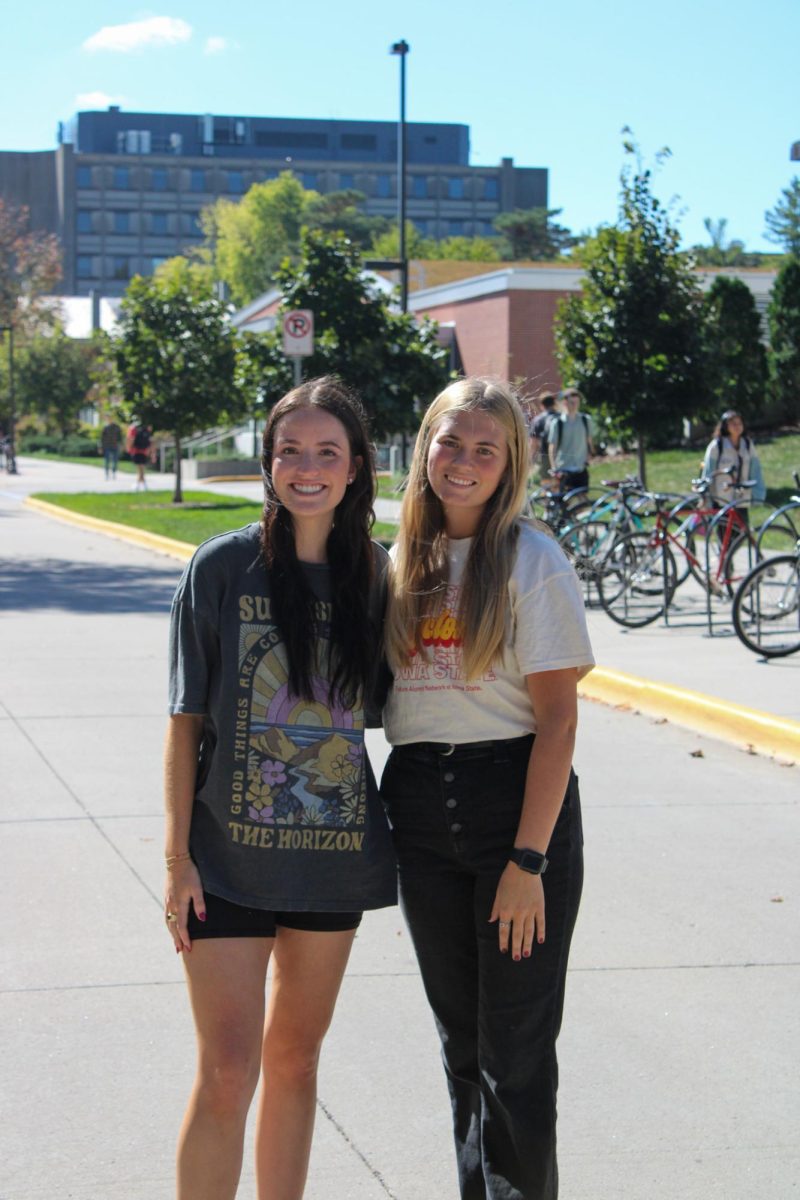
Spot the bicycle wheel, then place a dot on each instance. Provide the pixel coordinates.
(766, 608)
(742, 556)
(638, 580)
(587, 544)
(680, 526)
(778, 537)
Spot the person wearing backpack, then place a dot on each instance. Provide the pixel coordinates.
(540, 428)
(730, 461)
(570, 443)
(138, 446)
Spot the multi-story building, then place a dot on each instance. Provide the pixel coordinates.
(124, 191)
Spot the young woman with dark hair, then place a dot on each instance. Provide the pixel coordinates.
(731, 460)
(275, 838)
(487, 639)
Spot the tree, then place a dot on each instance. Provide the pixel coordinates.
(783, 221)
(30, 266)
(54, 376)
(734, 361)
(395, 364)
(631, 338)
(722, 252)
(531, 233)
(387, 245)
(783, 318)
(183, 272)
(342, 212)
(175, 355)
(246, 241)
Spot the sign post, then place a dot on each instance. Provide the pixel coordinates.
(298, 338)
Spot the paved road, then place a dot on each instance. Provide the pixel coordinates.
(681, 1034)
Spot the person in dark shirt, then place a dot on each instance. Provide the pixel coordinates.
(275, 836)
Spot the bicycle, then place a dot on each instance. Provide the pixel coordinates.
(766, 607)
(589, 539)
(640, 575)
(781, 530)
(557, 509)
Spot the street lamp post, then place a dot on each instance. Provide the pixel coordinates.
(11, 457)
(401, 49)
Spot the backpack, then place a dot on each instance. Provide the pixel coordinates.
(141, 439)
(558, 424)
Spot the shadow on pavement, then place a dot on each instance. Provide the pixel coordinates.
(84, 587)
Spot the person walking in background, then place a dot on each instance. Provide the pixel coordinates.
(730, 461)
(138, 444)
(110, 440)
(540, 428)
(570, 443)
(486, 636)
(276, 840)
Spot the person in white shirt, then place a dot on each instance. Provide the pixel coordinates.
(730, 461)
(486, 636)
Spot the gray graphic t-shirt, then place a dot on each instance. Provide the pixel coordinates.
(286, 813)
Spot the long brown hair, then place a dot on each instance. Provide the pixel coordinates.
(419, 576)
(353, 640)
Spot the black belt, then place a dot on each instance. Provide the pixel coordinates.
(446, 749)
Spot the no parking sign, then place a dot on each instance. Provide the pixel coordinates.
(298, 333)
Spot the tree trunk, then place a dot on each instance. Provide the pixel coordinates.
(640, 451)
(178, 495)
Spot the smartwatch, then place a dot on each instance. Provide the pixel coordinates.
(528, 860)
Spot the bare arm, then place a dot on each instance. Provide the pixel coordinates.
(519, 900)
(183, 885)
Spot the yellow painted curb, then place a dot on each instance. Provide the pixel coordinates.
(183, 551)
(745, 727)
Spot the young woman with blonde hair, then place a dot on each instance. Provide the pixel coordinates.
(487, 639)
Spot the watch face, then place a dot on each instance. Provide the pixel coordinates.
(530, 861)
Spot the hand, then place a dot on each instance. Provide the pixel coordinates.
(519, 909)
(183, 886)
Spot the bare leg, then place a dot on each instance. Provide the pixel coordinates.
(307, 973)
(227, 979)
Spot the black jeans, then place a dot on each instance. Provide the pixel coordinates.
(454, 819)
(569, 480)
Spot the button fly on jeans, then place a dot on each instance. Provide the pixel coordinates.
(451, 803)
(449, 776)
(456, 827)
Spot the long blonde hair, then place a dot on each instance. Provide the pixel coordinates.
(419, 577)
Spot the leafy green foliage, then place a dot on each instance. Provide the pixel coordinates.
(341, 212)
(532, 234)
(783, 221)
(53, 378)
(393, 363)
(735, 365)
(723, 252)
(30, 266)
(630, 340)
(783, 317)
(175, 356)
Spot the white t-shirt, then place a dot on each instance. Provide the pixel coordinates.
(545, 631)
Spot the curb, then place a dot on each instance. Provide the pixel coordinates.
(183, 551)
(747, 728)
(751, 730)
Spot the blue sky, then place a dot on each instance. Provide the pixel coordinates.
(548, 84)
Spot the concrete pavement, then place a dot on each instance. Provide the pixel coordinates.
(681, 1032)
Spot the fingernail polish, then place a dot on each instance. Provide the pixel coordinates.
(526, 953)
(202, 917)
(516, 958)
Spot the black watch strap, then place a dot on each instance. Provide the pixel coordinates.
(529, 860)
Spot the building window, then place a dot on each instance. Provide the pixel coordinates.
(309, 179)
(83, 266)
(120, 267)
(488, 229)
(347, 180)
(155, 263)
(197, 180)
(190, 224)
(84, 221)
(236, 182)
(121, 178)
(419, 186)
(83, 177)
(422, 225)
(383, 187)
(359, 141)
(121, 222)
(158, 179)
(455, 228)
(285, 140)
(491, 188)
(455, 188)
(158, 222)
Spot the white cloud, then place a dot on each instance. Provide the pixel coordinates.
(215, 45)
(93, 100)
(136, 35)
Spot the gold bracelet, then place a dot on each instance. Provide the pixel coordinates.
(171, 859)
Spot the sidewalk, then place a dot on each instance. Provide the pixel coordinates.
(673, 1082)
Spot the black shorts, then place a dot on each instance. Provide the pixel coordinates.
(224, 920)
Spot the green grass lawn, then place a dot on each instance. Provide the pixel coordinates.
(200, 516)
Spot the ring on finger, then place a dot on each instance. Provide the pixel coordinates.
(171, 916)
(505, 924)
